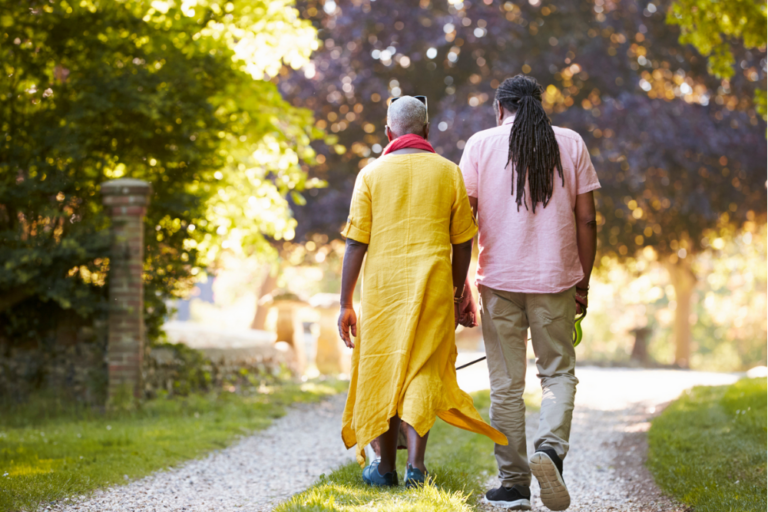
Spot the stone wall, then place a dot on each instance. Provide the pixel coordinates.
(69, 362)
(175, 369)
(72, 363)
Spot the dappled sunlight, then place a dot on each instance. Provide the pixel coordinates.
(322, 389)
(708, 448)
(459, 462)
(357, 498)
(74, 450)
(32, 468)
(175, 176)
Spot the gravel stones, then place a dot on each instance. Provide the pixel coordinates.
(605, 467)
(252, 475)
(604, 470)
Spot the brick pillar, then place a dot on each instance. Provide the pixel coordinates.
(126, 203)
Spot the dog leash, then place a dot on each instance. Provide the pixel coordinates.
(578, 333)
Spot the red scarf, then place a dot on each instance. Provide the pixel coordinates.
(408, 141)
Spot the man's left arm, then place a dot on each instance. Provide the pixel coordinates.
(586, 240)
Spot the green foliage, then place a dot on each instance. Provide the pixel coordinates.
(174, 93)
(712, 26)
(176, 369)
(190, 375)
(53, 450)
(122, 399)
(673, 146)
(708, 448)
(459, 461)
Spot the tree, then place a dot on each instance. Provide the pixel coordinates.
(175, 93)
(711, 26)
(678, 180)
(615, 72)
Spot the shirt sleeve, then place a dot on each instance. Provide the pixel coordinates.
(586, 176)
(358, 226)
(469, 169)
(463, 224)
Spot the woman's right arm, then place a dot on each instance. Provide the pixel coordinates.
(353, 262)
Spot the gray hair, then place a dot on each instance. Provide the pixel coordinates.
(406, 115)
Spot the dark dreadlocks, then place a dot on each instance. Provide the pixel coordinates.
(533, 149)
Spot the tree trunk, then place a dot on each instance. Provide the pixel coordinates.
(640, 348)
(267, 286)
(683, 280)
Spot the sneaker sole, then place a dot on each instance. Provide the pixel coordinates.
(509, 505)
(554, 494)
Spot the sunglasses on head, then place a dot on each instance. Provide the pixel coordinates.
(422, 99)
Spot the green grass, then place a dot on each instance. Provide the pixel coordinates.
(459, 461)
(50, 451)
(708, 448)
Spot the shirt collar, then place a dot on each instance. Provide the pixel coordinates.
(508, 120)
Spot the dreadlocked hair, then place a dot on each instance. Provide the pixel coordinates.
(533, 149)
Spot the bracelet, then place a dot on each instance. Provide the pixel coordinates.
(457, 300)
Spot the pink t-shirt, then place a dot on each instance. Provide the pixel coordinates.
(521, 251)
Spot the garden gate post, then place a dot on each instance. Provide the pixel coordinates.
(126, 203)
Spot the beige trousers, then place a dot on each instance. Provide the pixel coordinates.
(506, 317)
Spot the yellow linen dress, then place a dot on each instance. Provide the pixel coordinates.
(409, 209)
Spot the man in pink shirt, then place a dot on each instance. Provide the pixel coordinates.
(531, 185)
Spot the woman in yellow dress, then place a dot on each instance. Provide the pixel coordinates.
(409, 214)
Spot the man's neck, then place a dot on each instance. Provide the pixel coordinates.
(508, 118)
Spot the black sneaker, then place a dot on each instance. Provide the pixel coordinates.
(547, 467)
(516, 497)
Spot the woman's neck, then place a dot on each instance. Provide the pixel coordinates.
(406, 151)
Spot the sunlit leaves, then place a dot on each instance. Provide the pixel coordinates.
(711, 27)
(162, 91)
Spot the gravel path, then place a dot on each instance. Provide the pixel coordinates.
(605, 468)
(252, 475)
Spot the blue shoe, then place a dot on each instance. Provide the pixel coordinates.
(372, 477)
(414, 477)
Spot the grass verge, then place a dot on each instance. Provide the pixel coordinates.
(50, 452)
(459, 461)
(708, 448)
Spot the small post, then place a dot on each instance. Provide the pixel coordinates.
(289, 328)
(126, 203)
(329, 354)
